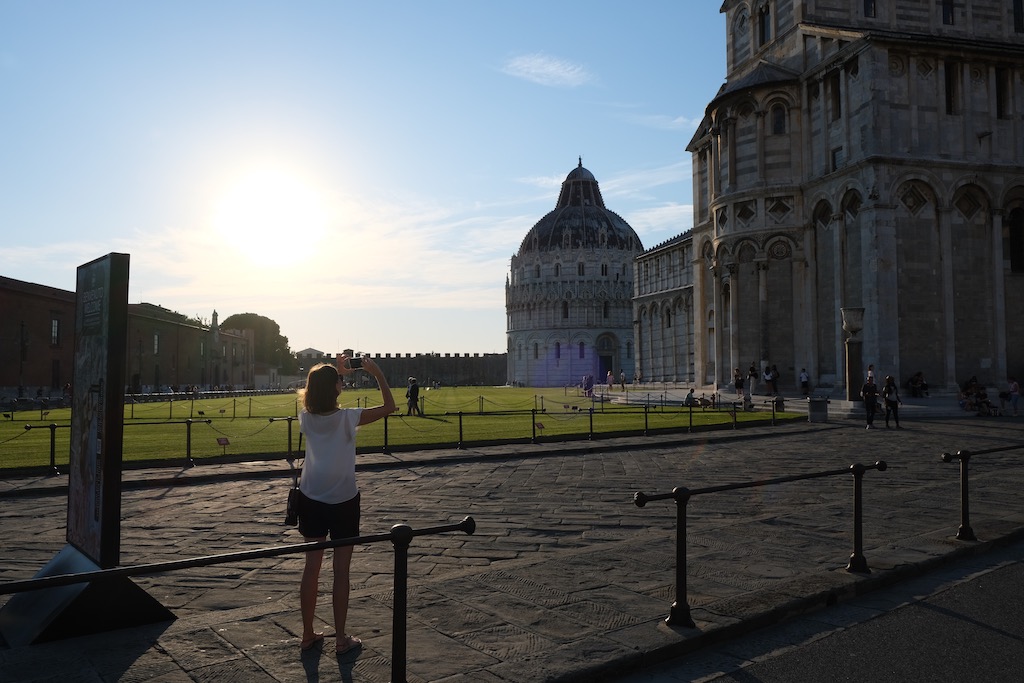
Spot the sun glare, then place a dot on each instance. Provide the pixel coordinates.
(267, 215)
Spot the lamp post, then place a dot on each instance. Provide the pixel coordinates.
(23, 355)
(138, 384)
(853, 323)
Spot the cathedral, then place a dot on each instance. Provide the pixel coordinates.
(858, 190)
(568, 299)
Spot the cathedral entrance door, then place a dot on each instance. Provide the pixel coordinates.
(605, 365)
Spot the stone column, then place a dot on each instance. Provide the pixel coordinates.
(853, 321)
(734, 318)
(762, 311)
(946, 294)
(717, 308)
(999, 295)
(699, 323)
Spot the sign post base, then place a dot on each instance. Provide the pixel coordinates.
(79, 609)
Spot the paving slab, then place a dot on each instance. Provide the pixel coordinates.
(565, 578)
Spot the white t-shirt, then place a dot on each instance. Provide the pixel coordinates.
(329, 470)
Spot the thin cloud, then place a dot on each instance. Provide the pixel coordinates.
(664, 121)
(638, 182)
(545, 70)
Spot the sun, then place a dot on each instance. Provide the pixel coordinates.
(268, 216)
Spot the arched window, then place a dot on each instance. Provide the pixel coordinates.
(629, 349)
(668, 318)
(606, 308)
(869, 8)
(778, 118)
(536, 350)
(581, 269)
(536, 271)
(581, 350)
(558, 269)
(764, 24)
(565, 309)
(558, 350)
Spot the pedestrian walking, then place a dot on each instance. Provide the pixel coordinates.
(412, 396)
(891, 396)
(1013, 391)
(328, 494)
(869, 392)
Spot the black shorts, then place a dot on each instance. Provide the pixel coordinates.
(339, 520)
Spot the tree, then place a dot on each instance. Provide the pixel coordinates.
(269, 346)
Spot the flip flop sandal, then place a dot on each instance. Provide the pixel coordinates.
(348, 643)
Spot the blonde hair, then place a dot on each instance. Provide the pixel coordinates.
(321, 392)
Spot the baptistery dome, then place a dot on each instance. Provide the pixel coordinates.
(580, 220)
(568, 299)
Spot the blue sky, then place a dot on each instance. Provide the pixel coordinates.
(361, 172)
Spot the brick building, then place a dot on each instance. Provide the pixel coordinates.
(164, 349)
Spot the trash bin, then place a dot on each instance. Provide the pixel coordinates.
(817, 409)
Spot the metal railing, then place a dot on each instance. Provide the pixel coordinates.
(53, 427)
(401, 536)
(680, 611)
(965, 532)
(446, 429)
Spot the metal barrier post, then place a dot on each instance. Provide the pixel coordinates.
(690, 427)
(386, 451)
(460, 431)
(590, 436)
(965, 532)
(401, 537)
(533, 425)
(680, 611)
(289, 420)
(289, 437)
(53, 448)
(188, 442)
(857, 561)
(646, 406)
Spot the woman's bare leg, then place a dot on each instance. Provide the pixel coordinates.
(342, 586)
(308, 590)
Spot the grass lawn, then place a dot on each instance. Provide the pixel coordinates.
(258, 425)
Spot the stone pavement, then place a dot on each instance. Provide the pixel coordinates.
(565, 578)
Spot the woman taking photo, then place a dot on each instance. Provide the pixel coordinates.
(329, 497)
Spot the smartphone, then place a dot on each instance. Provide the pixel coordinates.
(354, 363)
